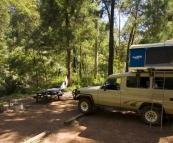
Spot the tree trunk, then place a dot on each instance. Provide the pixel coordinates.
(111, 40)
(131, 38)
(96, 53)
(80, 65)
(74, 60)
(69, 67)
(36, 72)
(68, 50)
(119, 62)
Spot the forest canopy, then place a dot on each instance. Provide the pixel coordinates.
(43, 41)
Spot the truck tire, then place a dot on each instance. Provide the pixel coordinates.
(151, 115)
(85, 105)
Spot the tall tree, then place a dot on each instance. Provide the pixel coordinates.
(155, 23)
(133, 10)
(109, 5)
(96, 51)
(66, 21)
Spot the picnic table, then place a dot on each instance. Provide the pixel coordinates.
(48, 94)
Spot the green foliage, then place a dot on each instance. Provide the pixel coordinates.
(4, 16)
(155, 23)
(87, 80)
(35, 37)
(71, 88)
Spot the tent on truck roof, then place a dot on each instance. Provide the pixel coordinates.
(154, 55)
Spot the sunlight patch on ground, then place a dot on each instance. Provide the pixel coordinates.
(7, 137)
(52, 120)
(62, 105)
(53, 103)
(17, 119)
(55, 111)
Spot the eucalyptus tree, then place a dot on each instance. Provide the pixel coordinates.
(133, 10)
(37, 42)
(24, 20)
(87, 33)
(147, 22)
(109, 5)
(5, 9)
(156, 20)
(4, 21)
(103, 54)
(72, 23)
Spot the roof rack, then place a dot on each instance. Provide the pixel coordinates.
(151, 68)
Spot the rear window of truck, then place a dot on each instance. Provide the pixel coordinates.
(138, 82)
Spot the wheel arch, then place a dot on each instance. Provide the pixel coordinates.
(150, 104)
(88, 96)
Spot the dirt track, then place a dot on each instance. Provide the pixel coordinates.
(102, 126)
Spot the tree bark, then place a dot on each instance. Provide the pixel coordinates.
(127, 56)
(69, 67)
(69, 75)
(111, 40)
(74, 60)
(119, 62)
(80, 65)
(132, 36)
(96, 53)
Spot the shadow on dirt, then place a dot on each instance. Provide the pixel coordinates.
(122, 127)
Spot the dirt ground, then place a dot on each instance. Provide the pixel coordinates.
(102, 126)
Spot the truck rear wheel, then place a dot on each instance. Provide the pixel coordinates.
(151, 115)
(85, 105)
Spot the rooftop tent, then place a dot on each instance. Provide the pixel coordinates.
(156, 55)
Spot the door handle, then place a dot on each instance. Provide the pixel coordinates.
(171, 99)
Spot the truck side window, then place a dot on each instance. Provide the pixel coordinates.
(138, 82)
(168, 83)
(112, 84)
(164, 83)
